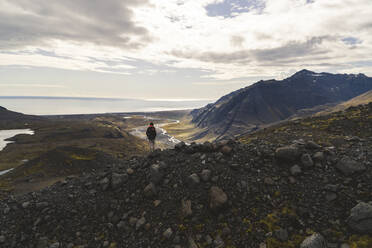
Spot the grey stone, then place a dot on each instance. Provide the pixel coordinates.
(118, 179)
(25, 204)
(42, 205)
(2, 239)
(281, 234)
(193, 180)
(314, 241)
(168, 233)
(318, 156)
(54, 245)
(104, 183)
(121, 225)
(288, 153)
(156, 174)
(312, 145)
(349, 166)
(140, 222)
(295, 170)
(218, 198)
(150, 190)
(307, 160)
(360, 219)
(206, 175)
(331, 196)
(345, 245)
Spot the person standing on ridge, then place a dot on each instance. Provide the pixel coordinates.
(151, 135)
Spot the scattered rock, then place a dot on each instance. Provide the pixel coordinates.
(312, 145)
(118, 179)
(226, 150)
(206, 175)
(104, 183)
(168, 233)
(193, 180)
(281, 234)
(218, 198)
(155, 174)
(360, 219)
(157, 203)
(349, 166)
(307, 160)
(314, 241)
(287, 153)
(296, 170)
(130, 171)
(186, 208)
(140, 222)
(318, 156)
(150, 190)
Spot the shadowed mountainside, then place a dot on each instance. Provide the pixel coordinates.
(270, 101)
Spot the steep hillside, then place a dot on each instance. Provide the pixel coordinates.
(362, 99)
(281, 187)
(271, 101)
(10, 119)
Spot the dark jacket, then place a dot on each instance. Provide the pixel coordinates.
(151, 133)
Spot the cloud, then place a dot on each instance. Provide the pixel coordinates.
(288, 51)
(244, 39)
(37, 23)
(32, 85)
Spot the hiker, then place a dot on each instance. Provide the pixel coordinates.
(151, 135)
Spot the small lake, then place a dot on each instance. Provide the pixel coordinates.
(6, 134)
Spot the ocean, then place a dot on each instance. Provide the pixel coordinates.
(77, 105)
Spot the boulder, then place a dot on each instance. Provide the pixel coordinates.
(312, 145)
(307, 160)
(193, 180)
(314, 241)
(360, 219)
(155, 174)
(287, 153)
(349, 166)
(318, 156)
(218, 198)
(295, 170)
(150, 190)
(206, 175)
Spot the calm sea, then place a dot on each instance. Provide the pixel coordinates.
(72, 105)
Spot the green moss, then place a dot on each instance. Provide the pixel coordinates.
(356, 241)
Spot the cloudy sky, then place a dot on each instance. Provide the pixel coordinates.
(175, 49)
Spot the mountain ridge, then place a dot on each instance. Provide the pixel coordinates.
(273, 100)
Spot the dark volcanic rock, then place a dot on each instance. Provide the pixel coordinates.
(360, 219)
(349, 166)
(287, 153)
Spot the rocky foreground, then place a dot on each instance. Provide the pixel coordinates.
(260, 194)
(212, 195)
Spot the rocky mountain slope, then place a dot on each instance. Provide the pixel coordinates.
(361, 99)
(281, 187)
(271, 101)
